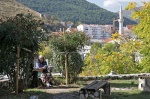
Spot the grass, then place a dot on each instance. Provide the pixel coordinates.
(27, 94)
(132, 94)
(60, 80)
(124, 83)
(127, 94)
(120, 94)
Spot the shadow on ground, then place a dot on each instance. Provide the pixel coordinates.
(114, 95)
(26, 95)
(73, 94)
(66, 95)
(44, 93)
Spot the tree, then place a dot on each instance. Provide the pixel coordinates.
(47, 53)
(52, 24)
(91, 66)
(142, 31)
(110, 56)
(99, 60)
(19, 34)
(95, 47)
(67, 44)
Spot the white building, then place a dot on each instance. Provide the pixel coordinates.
(85, 50)
(121, 20)
(95, 31)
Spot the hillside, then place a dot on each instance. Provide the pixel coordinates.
(128, 13)
(74, 11)
(11, 7)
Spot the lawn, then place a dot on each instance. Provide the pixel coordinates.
(128, 94)
(124, 83)
(133, 93)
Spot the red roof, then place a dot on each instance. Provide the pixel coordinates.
(73, 29)
(107, 40)
(129, 27)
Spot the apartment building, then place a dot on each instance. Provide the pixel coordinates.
(96, 31)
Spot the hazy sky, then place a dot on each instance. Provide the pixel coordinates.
(113, 5)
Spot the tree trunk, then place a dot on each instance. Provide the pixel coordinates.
(27, 70)
(66, 67)
(17, 69)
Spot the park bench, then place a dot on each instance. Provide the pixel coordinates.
(93, 90)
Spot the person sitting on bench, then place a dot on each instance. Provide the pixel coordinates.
(41, 67)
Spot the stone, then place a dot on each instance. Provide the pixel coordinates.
(82, 96)
(144, 84)
(34, 97)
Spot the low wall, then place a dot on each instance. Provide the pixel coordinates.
(117, 76)
(105, 77)
(4, 83)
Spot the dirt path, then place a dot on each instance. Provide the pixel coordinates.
(63, 92)
(71, 93)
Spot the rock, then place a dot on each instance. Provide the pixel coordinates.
(34, 97)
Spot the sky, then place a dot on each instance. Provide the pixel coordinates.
(113, 5)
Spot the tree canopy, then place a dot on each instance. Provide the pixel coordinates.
(65, 45)
(25, 32)
(142, 31)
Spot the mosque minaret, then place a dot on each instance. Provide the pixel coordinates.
(120, 20)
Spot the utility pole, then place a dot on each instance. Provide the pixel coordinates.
(66, 57)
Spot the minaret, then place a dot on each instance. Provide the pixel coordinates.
(120, 20)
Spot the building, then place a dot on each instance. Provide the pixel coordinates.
(67, 24)
(96, 31)
(85, 50)
(128, 31)
(121, 20)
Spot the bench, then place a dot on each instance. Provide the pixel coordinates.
(93, 90)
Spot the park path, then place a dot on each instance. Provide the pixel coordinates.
(64, 92)
(72, 93)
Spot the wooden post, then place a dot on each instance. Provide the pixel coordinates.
(66, 67)
(17, 69)
(27, 72)
(66, 58)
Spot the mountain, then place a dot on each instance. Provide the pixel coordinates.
(74, 11)
(11, 7)
(128, 13)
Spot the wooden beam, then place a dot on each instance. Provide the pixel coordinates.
(27, 50)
